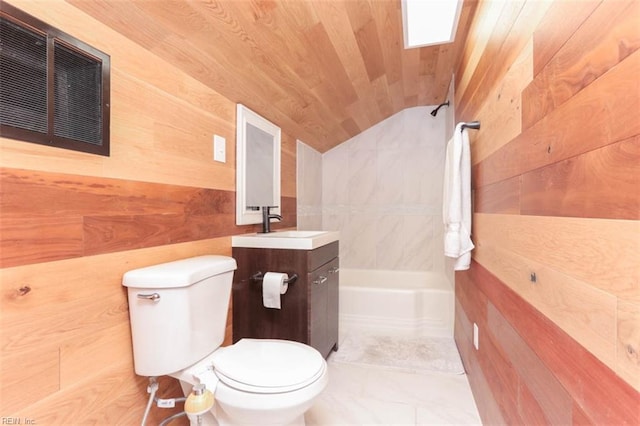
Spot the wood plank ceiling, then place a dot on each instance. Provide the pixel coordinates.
(323, 70)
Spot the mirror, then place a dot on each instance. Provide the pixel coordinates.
(257, 166)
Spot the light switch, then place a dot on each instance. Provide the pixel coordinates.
(219, 149)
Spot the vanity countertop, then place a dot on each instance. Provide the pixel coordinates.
(293, 240)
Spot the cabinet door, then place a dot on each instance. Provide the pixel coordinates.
(318, 299)
(323, 315)
(333, 304)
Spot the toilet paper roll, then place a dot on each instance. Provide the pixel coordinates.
(273, 285)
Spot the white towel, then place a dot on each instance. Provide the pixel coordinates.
(456, 208)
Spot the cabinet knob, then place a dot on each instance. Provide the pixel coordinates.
(334, 270)
(321, 280)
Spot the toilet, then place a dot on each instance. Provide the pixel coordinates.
(178, 313)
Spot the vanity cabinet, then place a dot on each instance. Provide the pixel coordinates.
(309, 308)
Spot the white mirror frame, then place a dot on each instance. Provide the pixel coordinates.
(245, 216)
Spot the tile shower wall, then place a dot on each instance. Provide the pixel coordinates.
(309, 187)
(382, 190)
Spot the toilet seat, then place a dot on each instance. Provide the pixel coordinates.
(268, 365)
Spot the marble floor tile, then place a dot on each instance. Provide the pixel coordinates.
(370, 395)
(345, 410)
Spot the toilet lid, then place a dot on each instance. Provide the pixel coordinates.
(267, 365)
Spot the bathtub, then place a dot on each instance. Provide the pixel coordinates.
(395, 302)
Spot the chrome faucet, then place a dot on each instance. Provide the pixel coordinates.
(266, 218)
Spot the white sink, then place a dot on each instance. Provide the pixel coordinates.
(296, 240)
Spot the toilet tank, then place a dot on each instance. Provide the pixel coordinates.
(178, 312)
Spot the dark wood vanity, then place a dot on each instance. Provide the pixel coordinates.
(309, 308)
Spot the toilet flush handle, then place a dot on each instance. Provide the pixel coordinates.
(154, 297)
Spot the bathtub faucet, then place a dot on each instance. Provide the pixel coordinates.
(266, 218)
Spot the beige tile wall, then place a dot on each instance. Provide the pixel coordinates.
(309, 188)
(382, 190)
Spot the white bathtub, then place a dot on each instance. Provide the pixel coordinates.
(396, 302)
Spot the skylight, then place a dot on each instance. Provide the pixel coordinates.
(429, 22)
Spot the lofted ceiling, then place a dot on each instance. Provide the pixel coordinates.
(323, 70)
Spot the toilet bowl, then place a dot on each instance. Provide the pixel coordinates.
(259, 382)
(178, 316)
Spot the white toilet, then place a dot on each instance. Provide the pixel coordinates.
(178, 314)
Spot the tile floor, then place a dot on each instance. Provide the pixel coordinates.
(370, 395)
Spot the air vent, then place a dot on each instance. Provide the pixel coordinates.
(54, 89)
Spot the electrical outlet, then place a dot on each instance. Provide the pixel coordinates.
(476, 338)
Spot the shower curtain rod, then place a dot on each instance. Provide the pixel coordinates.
(470, 125)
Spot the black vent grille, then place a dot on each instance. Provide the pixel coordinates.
(23, 78)
(54, 88)
(77, 96)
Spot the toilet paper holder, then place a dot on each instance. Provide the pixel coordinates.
(259, 276)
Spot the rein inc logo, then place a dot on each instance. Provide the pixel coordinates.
(16, 421)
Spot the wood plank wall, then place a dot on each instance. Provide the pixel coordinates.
(555, 282)
(71, 224)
